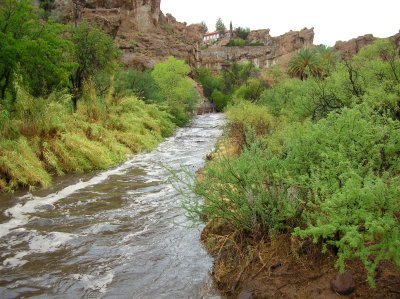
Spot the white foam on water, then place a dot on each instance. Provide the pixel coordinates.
(21, 213)
(16, 260)
(50, 242)
(95, 282)
(38, 243)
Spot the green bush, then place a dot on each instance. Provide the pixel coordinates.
(252, 90)
(219, 99)
(236, 43)
(209, 81)
(249, 122)
(242, 33)
(235, 193)
(349, 164)
(177, 90)
(44, 137)
(138, 83)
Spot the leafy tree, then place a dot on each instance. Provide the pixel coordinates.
(252, 90)
(46, 5)
(204, 27)
(230, 27)
(220, 27)
(31, 49)
(219, 99)
(94, 53)
(140, 83)
(242, 33)
(304, 63)
(237, 74)
(176, 88)
(209, 81)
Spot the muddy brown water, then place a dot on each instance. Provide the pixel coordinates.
(119, 233)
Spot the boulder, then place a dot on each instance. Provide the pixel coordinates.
(343, 284)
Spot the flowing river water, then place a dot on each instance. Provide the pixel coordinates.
(119, 233)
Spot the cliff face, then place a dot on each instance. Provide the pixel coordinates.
(354, 45)
(275, 51)
(138, 27)
(146, 36)
(140, 14)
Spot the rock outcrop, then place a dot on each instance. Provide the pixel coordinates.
(354, 45)
(138, 27)
(274, 51)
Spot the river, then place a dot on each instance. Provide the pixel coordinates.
(119, 233)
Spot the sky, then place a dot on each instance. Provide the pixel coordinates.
(332, 20)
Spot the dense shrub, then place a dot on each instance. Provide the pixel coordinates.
(235, 194)
(177, 90)
(252, 90)
(236, 43)
(349, 164)
(209, 81)
(219, 99)
(248, 122)
(138, 83)
(242, 33)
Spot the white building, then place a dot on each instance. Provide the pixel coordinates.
(211, 37)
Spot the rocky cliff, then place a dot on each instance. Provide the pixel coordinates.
(274, 51)
(354, 45)
(147, 36)
(138, 27)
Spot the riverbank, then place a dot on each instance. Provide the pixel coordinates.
(255, 265)
(250, 266)
(61, 142)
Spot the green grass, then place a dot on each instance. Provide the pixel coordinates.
(96, 137)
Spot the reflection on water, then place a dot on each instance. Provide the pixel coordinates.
(114, 234)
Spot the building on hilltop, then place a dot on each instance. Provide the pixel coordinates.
(212, 37)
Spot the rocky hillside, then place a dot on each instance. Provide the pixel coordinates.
(354, 45)
(143, 33)
(274, 51)
(146, 36)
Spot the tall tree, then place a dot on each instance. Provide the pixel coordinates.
(220, 27)
(94, 53)
(204, 27)
(31, 49)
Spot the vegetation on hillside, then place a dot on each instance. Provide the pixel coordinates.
(66, 105)
(319, 154)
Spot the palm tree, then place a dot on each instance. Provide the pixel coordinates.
(304, 63)
(329, 58)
